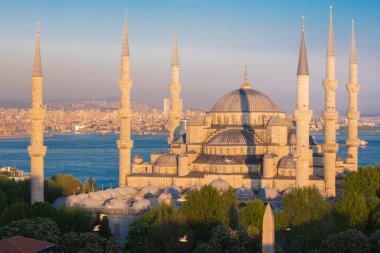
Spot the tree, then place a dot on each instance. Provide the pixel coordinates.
(89, 185)
(43, 229)
(375, 241)
(68, 183)
(365, 181)
(74, 219)
(43, 209)
(3, 201)
(52, 191)
(207, 208)
(303, 205)
(16, 211)
(87, 243)
(137, 236)
(350, 241)
(351, 211)
(252, 214)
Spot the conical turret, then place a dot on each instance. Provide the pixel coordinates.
(175, 57)
(330, 46)
(303, 67)
(37, 67)
(125, 47)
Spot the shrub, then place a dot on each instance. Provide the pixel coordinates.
(350, 241)
(16, 211)
(43, 229)
(68, 183)
(137, 236)
(74, 219)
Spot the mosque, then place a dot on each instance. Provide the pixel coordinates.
(245, 141)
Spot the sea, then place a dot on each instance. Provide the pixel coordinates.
(96, 155)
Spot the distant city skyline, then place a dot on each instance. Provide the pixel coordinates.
(81, 46)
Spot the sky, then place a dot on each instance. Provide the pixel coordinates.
(81, 47)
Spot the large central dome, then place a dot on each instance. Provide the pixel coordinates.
(245, 100)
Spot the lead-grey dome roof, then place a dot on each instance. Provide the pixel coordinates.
(245, 100)
(232, 137)
(167, 160)
(287, 162)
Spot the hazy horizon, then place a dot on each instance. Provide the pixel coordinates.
(81, 45)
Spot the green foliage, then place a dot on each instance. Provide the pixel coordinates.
(375, 241)
(16, 211)
(137, 236)
(38, 228)
(365, 181)
(87, 243)
(303, 205)
(351, 211)
(43, 209)
(207, 208)
(350, 241)
(159, 214)
(52, 191)
(3, 201)
(15, 191)
(74, 219)
(227, 240)
(68, 183)
(252, 214)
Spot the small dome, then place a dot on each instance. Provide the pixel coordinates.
(199, 121)
(149, 191)
(126, 191)
(277, 121)
(137, 159)
(141, 205)
(244, 193)
(90, 203)
(167, 160)
(72, 200)
(82, 196)
(173, 190)
(194, 187)
(220, 184)
(117, 204)
(267, 193)
(105, 194)
(114, 193)
(245, 100)
(232, 137)
(96, 196)
(287, 162)
(59, 202)
(165, 198)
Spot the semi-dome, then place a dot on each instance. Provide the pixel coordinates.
(237, 137)
(167, 160)
(245, 100)
(277, 121)
(220, 184)
(287, 162)
(244, 193)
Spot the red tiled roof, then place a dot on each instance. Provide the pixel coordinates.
(20, 244)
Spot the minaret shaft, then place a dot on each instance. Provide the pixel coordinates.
(353, 114)
(175, 90)
(125, 143)
(303, 116)
(36, 149)
(330, 116)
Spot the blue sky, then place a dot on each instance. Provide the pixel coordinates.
(81, 44)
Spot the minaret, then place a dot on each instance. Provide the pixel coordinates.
(175, 90)
(330, 115)
(353, 115)
(37, 150)
(125, 143)
(303, 116)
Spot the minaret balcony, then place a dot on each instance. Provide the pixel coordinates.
(330, 148)
(124, 113)
(353, 87)
(37, 150)
(303, 114)
(121, 144)
(330, 84)
(330, 115)
(353, 115)
(352, 142)
(37, 114)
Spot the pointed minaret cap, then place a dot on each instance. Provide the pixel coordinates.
(353, 45)
(37, 68)
(125, 48)
(175, 57)
(330, 46)
(303, 67)
(245, 84)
